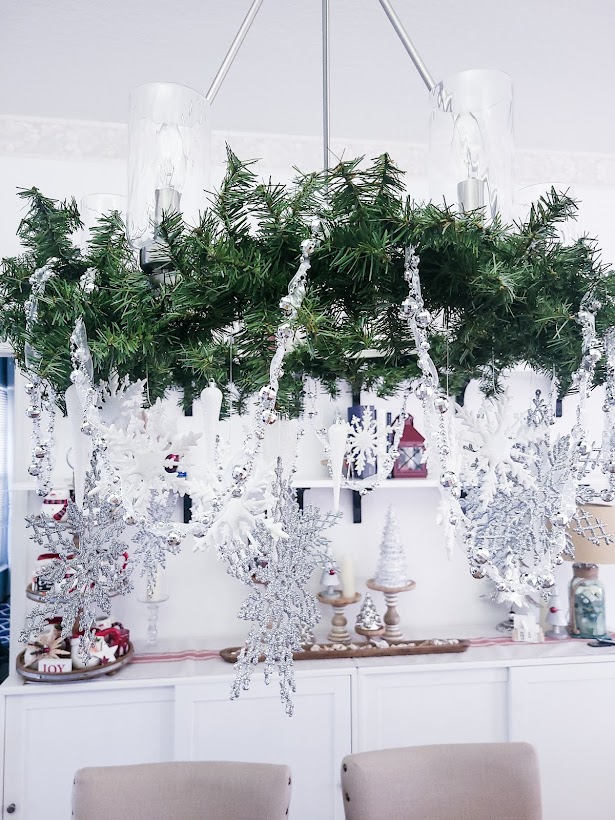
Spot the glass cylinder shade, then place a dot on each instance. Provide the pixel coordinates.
(168, 157)
(471, 142)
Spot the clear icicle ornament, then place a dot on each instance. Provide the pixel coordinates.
(41, 396)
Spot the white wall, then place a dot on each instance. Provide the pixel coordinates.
(203, 600)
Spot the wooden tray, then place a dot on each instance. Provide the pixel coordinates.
(362, 650)
(32, 674)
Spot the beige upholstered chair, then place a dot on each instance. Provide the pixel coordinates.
(208, 790)
(467, 781)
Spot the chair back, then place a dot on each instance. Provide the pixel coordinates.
(466, 781)
(200, 790)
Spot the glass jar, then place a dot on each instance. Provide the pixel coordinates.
(587, 612)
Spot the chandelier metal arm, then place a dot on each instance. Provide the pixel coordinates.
(233, 51)
(408, 44)
(326, 104)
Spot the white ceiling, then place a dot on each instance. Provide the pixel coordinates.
(79, 59)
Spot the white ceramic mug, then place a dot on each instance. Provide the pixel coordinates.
(78, 661)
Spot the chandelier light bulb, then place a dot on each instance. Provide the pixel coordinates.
(172, 163)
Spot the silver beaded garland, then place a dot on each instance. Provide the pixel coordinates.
(441, 404)
(269, 416)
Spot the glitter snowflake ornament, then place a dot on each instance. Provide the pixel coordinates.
(276, 563)
(488, 439)
(90, 568)
(510, 485)
(120, 400)
(151, 545)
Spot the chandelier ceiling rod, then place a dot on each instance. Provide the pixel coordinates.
(326, 106)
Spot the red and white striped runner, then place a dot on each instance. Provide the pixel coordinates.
(208, 654)
(183, 655)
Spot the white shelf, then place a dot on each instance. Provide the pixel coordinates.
(387, 484)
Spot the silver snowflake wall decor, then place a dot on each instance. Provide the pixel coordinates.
(362, 443)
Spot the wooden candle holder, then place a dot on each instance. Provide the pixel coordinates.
(392, 632)
(339, 633)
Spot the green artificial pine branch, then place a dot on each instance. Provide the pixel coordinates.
(504, 294)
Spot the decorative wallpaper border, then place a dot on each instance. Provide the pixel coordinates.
(86, 140)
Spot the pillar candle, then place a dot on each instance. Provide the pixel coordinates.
(156, 592)
(348, 587)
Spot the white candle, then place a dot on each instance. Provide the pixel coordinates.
(155, 593)
(348, 587)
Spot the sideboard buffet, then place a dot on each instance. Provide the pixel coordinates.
(557, 696)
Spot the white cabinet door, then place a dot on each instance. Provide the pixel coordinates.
(49, 736)
(412, 708)
(255, 728)
(567, 712)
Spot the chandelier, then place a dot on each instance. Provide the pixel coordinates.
(131, 461)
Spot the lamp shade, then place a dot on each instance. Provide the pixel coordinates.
(602, 518)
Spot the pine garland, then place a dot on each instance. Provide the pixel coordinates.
(506, 294)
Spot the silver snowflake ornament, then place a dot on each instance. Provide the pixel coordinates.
(91, 565)
(276, 562)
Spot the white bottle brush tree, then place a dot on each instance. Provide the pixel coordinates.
(392, 570)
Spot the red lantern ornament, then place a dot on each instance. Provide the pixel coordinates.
(411, 462)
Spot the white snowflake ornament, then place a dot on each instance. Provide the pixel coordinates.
(362, 443)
